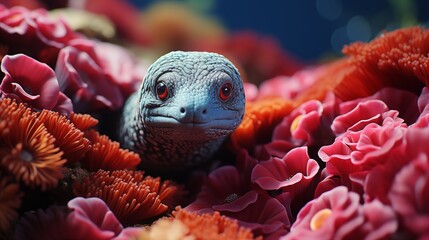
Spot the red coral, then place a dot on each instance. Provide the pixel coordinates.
(107, 155)
(27, 148)
(83, 122)
(398, 59)
(68, 138)
(131, 197)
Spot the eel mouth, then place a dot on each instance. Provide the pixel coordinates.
(161, 121)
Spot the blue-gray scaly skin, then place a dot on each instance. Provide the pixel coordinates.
(204, 103)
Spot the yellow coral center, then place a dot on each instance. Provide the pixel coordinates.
(295, 123)
(320, 218)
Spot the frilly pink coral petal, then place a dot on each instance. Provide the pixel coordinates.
(39, 86)
(292, 169)
(94, 211)
(381, 221)
(409, 197)
(363, 114)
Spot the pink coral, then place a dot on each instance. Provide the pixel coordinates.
(409, 195)
(88, 218)
(354, 153)
(337, 214)
(357, 113)
(34, 33)
(292, 173)
(93, 79)
(307, 125)
(38, 87)
(224, 190)
(229, 191)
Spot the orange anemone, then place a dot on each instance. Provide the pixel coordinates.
(128, 194)
(212, 226)
(259, 120)
(107, 155)
(83, 121)
(27, 149)
(68, 138)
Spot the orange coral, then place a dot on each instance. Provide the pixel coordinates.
(186, 225)
(259, 120)
(107, 155)
(27, 148)
(83, 121)
(128, 194)
(68, 138)
(212, 226)
(10, 201)
(398, 59)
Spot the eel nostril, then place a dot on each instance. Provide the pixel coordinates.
(182, 110)
(205, 111)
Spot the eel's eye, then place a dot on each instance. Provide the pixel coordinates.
(161, 90)
(225, 91)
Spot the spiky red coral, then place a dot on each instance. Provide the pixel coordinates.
(68, 138)
(187, 225)
(398, 59)
(27, 148)
(107, 155)
(83, 121)
(211, 226)
(128, 194)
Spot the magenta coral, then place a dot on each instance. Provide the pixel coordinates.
(292, 173)
(93, 79)
(83, 218)
(39, 87)
(34, 33)
(337, 214)
(409, 195)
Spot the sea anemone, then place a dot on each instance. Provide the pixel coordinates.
(127, 194)
(107, 155)
(28, 151)
(83, 122)
(10, 201)
(69, 139)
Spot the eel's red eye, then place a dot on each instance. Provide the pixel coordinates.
(225, 91)
(161, 90)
